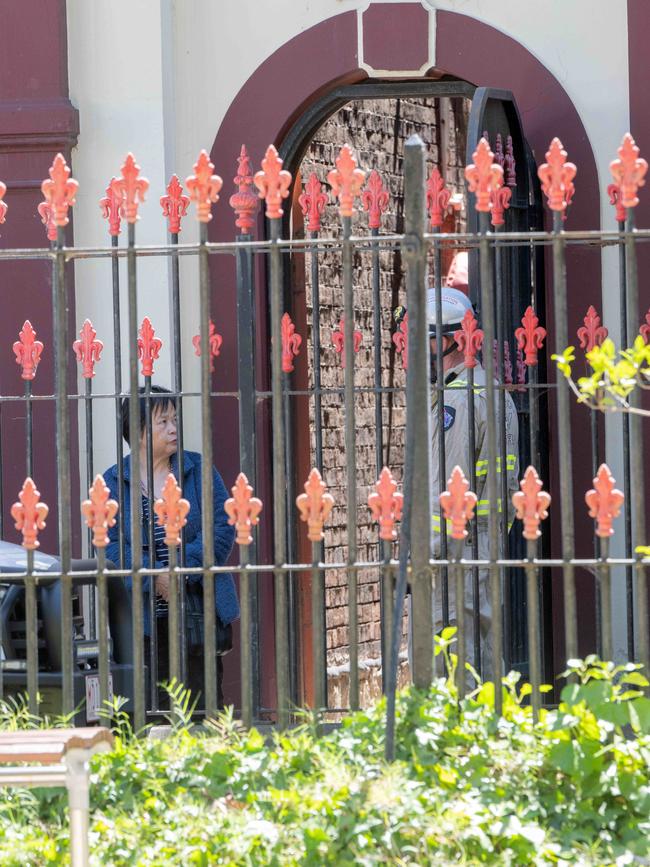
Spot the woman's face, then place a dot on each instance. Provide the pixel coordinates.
(163, 432)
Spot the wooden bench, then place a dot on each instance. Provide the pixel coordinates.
(56, 757)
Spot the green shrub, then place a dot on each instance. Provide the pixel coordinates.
(466, 788)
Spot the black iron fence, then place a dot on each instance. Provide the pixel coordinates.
(436, 549)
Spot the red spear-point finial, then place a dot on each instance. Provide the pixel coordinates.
(112, 205)
(531, 503)
(29, 514)
(458, 503)
(273, 183)
(60, 190)
(172, 511)
(500, 202)
(469, 338)
(27, 350)
(509, 164)
(3, 205)
(484, 176)
(614, 193)
(375, 199)
(604, 501)
(130, 187)
(628, 171)
(592, 333)
(215, 340)
(203, 187)
(174, 204)
(346, 180)
(386, 505)
(312, 200)
(87, 349)
(243, 509)
(290, 343)
(149, 346)
(46, 213)
(438, 198)
(338, 340)
(557, 175)
(530, 337)
(401, 340)
(315, 505)
(244, 202)
(99, 511)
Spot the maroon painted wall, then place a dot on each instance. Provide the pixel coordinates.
(37, 120)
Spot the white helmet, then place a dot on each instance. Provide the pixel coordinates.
(455, 305)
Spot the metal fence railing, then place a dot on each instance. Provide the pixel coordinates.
(117, 634)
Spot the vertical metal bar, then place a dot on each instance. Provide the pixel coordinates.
(248, 587)
(88, 408)
(440, 410)
(350, 460)
(117, 370)
(636, 453)
(207, 497)
(31, 635)
(102, 626)
(604, 576)
(318, 629)
(459, 589)
(279, 481)
(532, 609)
(174, 617)
(418, 410)
(151, 546)
(487, 312)
(29, 449)
(471, 460)
(315, 292)
(533, 407)
(376, 325)
(135, 492)
(564, 443)
(63, 465)
(387, 602)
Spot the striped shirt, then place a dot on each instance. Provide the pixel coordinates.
(161, 556)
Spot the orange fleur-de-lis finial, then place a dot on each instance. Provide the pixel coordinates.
(174, 204)
(112, 206)
(215, 340)
(401, 340)
(203, 187)
(375, 199)
(313, 200)
(273, 183)
(644, 330)
(290, 343)
(87, 349)
(530, 337)
(629, 172)
(46, 213)
(604, 501)
(338, 340)
(149, 346)
(3, 205)
(131, 188)
(614, 193)
(500, 202)
(484, 176)
(99, 511)
(386, 505)
(244, 202)
(29, 514)
(60, 190)
(172, 511)
(458, 503)
(592, 333)
(243, 509)
(531, 503)
(469, 338)
(28, 351)
(438, 198)
(346, 180)
(315, 505)
(557, 175)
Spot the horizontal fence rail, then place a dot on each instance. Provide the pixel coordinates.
(478, 542)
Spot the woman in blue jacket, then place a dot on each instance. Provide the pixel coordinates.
(165, 461)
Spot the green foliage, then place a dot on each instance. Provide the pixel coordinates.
(466, 787)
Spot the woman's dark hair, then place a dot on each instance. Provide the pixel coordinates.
(160, 402)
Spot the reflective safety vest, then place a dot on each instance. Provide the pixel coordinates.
(456, 427)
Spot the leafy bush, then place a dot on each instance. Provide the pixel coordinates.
(466, 788)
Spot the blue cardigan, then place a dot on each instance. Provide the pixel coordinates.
(226, 602)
